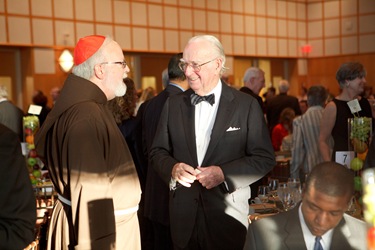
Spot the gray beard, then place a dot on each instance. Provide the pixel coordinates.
(120, 90)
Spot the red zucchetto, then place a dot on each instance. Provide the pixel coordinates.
(86, 47)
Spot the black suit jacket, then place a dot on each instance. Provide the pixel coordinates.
(250, 92)
(284, 231)
(157, 192)
(370, 158)
(17, 199)
(240, 145)
(276, 105)
(12, 117)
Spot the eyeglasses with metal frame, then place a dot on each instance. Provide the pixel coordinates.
(196, 67)
(123, 63)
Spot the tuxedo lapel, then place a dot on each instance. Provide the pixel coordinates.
(224, 114)
(188, 123)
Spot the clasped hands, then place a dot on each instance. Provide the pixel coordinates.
(209, 177)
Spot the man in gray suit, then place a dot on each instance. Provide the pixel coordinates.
(320, 219)
(211, 144)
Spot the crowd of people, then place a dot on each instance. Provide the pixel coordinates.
(176, 170)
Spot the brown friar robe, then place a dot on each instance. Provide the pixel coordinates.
(91, 168)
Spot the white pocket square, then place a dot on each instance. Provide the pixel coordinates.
(232, 129)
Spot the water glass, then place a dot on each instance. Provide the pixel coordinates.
(285, 196)
(294, 185)
(273, 184)
(263, 192)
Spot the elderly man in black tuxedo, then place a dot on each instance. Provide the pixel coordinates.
(211, 144)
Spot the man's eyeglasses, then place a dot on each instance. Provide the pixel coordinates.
(123, 63)
(196, 67)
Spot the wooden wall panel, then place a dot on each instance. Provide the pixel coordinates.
(240, 65)
(45, 82)
(153, 65)
(247, 29)
(27, 72)
(323, 70)
(8, 69)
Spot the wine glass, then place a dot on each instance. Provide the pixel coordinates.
(294, 185)
(273, 184)
(263, 192)
(285, 196)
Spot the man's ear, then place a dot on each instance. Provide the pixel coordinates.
(219, 64)
(252, 79)
(98, 71)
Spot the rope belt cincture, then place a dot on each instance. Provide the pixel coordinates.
(126, 211)
(117, 212)
(64, 200)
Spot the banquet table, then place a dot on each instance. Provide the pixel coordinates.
(274, 206)
(262, 210)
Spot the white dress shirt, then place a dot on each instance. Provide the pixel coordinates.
(205, 115)
(310, 238)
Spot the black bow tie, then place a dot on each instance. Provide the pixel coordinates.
(195, 99)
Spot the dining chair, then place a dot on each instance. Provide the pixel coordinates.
(33, 245)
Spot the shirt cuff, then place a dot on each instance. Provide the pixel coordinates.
(225, 187)
(172, 184)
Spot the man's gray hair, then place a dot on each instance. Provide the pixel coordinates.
(283, 86)
(317, 96)
(86, 69)
(252, 72)
(218, 47)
